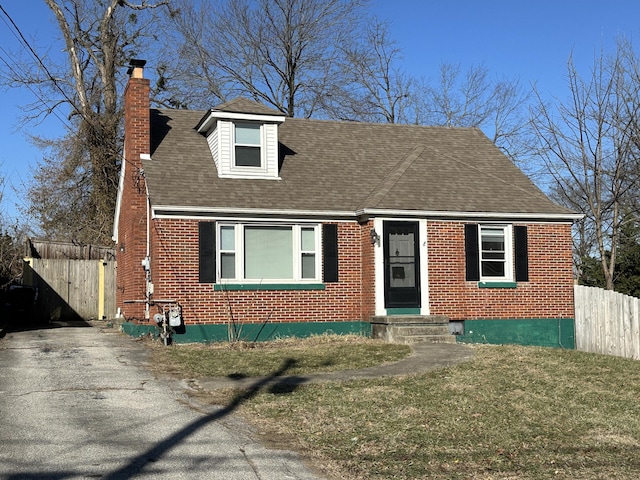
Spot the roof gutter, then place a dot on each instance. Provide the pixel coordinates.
(171, 211)
(165, 211)
(374, 212)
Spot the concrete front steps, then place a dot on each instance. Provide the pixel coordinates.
(409, 329)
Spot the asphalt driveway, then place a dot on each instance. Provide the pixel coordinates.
(77, 402)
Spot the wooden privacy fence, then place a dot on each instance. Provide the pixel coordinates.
(607, 322)
(71, 288)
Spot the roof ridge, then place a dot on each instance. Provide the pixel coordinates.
(383, 187)
(246, 105)
(382, 124)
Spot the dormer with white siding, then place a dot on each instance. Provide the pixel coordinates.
(243, 139)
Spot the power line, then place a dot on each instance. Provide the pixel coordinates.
(36, 94)
(36, 56)
(16, 32)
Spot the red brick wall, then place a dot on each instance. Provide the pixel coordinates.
(132, 230)
(547, 294)
(175, 276)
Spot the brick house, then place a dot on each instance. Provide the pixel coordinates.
(294, 226)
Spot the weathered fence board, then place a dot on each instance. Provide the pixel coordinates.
(73, 288)
(62, 250)
(607, 322)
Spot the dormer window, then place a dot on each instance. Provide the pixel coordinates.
(247, 145)
(243, 139)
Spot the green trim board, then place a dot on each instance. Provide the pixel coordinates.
(542, 332)
(497, 284)
(253, 331)
(232, 287)
(403, 311)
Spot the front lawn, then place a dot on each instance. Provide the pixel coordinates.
(321, 353)
(509, 413)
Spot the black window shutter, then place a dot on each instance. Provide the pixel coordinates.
(330, 251)
(207, 252)
(472, 255)
(521, 253)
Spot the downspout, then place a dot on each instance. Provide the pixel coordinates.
(147, 258)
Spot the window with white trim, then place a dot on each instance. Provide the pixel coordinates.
(496, 257)
(308, 249)
(247, 142)
(227, 251)
(268, 253)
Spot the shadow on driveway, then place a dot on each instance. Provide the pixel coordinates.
(136, 466)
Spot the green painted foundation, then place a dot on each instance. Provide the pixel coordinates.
(252, 332)
(542, 332)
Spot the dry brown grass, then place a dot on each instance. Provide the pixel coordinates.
(320, 353)
(510, 413)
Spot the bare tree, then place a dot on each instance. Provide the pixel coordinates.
(472, 99)
(11, 241)
(327, 58)
(99, 37)
(379, 90)
(590, 147)
(188, 76)
(282, 53)
(374, 86)
(457, 100)
(61, 192)
(2, 187)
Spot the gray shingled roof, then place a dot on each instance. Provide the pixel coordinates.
(330, 166)
(244, 105)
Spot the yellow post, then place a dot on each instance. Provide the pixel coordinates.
(101, 315)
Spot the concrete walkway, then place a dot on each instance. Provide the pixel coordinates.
(424, 357)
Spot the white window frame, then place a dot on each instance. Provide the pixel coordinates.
(260, 147)
(308, 252)
(507, 231)
(225, 251)
(239, 238)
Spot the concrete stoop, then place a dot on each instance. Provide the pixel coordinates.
(409, 329)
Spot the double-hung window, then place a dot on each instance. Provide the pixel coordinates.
(248, 145)
(268, 253)
(495, 253)
(308, 252)
(227, 251)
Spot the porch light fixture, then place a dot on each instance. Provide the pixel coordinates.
(375, 238)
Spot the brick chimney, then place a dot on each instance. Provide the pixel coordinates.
(136, 112)
(132, 217)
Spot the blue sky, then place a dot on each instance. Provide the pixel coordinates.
(528, 40)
